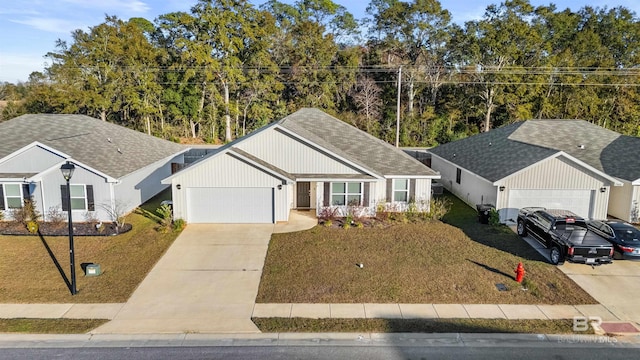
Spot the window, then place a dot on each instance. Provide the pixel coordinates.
(346, 193)
(78, 197)
(400, 190)
(458, 175)
(81, 197)
(13, 196)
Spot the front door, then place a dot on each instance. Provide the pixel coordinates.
(303, 198)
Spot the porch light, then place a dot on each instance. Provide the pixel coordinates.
(67, 171)
(501, 188)
(603, 189)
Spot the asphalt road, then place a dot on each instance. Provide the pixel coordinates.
(568, 351)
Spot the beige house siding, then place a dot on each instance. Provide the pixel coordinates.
(621, 201)
(299, 158)
(558, 173)
(236, 174)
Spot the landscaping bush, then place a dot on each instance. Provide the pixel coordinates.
(165, 217)
(28, 212)
(55, 216)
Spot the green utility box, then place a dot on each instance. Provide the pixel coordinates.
(92, 270)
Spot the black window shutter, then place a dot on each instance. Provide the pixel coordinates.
(412, 190)
(389, 190)
(64, 197)
(90, 203)
(327, 193)
(26, 194)
(1, 197)
(365, 195)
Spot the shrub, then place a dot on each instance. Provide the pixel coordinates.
(328, 213)
(438, 208)
(494, 218)
(90, 217)
(28, 212)
(165, 217)
(327, 223)
(55, 216)
(179, 224)
(32, 226)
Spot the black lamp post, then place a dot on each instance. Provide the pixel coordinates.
(67, 172)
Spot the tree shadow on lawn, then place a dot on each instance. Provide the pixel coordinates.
(502, 238)
(493, 270)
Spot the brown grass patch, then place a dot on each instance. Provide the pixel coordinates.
(430, 262)
(416, 325)
(49, 326)
(29, 274)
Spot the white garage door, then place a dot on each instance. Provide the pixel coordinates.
(577, 201)
(230, 205)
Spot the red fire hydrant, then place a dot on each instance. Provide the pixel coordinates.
(519, 272)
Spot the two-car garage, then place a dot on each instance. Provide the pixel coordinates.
(579, 201)
(230, 205)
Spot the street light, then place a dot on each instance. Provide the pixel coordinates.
(67, 171)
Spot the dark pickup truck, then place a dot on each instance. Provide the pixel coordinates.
(566, 235)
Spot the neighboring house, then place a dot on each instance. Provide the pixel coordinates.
(308, 160)
(568, 164)
(116, 169)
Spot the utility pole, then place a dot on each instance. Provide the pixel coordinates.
(398, 107)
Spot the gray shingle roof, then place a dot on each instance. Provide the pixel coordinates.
(353, 144)
(519, 145)
(106, 147)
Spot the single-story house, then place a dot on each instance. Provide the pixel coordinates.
(116, 169)
(568, 164)
(307, 160)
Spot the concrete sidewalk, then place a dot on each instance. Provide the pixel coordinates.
(330, 311)
(431, 311)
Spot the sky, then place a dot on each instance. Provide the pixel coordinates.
(29, 29)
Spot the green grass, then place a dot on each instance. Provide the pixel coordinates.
(416, 326)
(459, 261)
(49, 326)
(29, 274)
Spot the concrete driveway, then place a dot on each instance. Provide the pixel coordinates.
(207, 282)
(616, 286)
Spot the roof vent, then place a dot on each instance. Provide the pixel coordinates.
(109, 139)
(581, 146)
(120, 151)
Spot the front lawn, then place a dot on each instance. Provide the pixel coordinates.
(460, 261)
(29, 273)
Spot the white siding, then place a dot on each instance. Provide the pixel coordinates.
(472, 189)
(557, 174)
(32, 160)
(621, 201)
(225, 171)
(291, 155)
(140, 186)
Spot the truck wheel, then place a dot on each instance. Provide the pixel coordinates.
(522, 230)
(555, 255)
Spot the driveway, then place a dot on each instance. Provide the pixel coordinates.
(207, 282)
(616, 285)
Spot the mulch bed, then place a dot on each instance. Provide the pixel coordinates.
(62, 229)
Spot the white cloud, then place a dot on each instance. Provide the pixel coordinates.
(117, 6)
(50, 24)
